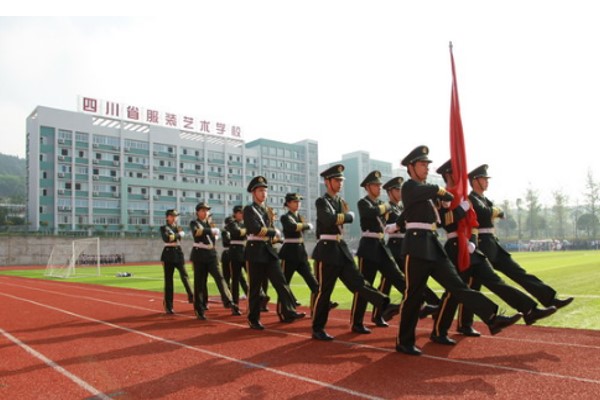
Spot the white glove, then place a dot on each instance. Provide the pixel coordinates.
(277, 234)
(351, 214)
(471, 247)
(391, 228)
(215, 231)
(446, 204)
(181, 234)
(465, 205)
(310, 226)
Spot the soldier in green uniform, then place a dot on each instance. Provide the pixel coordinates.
(373, 254)
(173, 259)
(500, 259)
(237, 245)
(204, 258)
(261, 258)
(293, 253)
(480, 272)
(425, 256)
(226, 239)
(333, 256)
(395, 230)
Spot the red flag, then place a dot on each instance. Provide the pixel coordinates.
(459, 174)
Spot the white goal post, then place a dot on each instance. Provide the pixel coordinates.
(80, 257)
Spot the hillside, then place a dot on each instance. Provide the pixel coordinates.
(12, 177)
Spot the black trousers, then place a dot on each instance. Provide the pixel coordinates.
(385, 287)
(480, 272)
(531, 283)
(327, 275)
(169, 270)
(504, 263)
(369, 268)
(235, 271)
(201, 271)
(417, 271)
(271, 271)
(303, 269)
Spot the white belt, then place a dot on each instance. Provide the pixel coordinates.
(258, 238)
(330, 237)
(395, 235)
(171, 244)
(240, 242)
(293, 240)
(372, 235)
(204, 246)
(491, 231)
(421, 225)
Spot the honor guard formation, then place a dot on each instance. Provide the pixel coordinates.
(399, 240)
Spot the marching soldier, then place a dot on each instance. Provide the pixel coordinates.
(204, 258)
(373, 254)
(480, 271)
(500, 259)
(395, 233)
(262, 260)
(237, 245)
(293, 253)
(333, 256)
(226, 239)
(173, 259)
(425, 256)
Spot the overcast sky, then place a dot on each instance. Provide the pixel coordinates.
(370, 75)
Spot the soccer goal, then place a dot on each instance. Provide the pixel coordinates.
(80, 257)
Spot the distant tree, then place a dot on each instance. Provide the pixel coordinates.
(507, 224)
(592, 195)
(3, 215)
(534, 221)
(560, 213)
(12, 186)
(589, 223)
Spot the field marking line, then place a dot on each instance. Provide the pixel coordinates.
(345, 343)
(119, 292)
(200, 350)
(77, 380)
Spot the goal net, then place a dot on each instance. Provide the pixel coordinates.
(80, 257)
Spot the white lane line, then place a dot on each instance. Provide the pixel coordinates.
(391, 328)
(78, 381)
(345, 343)
(203, 351)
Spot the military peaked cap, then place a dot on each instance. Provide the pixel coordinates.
(445, 168)
(172, 212)
(479, 172)
(256, 182)
(373, 177)
(202, 205)
(394, 183)
(335, 171)
(238, 208)
(418, 154)
(292, 197)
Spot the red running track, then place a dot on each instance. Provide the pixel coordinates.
(62, 340)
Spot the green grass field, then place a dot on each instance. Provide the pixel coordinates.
(575, 273)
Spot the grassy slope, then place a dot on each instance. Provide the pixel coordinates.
(571, 273)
